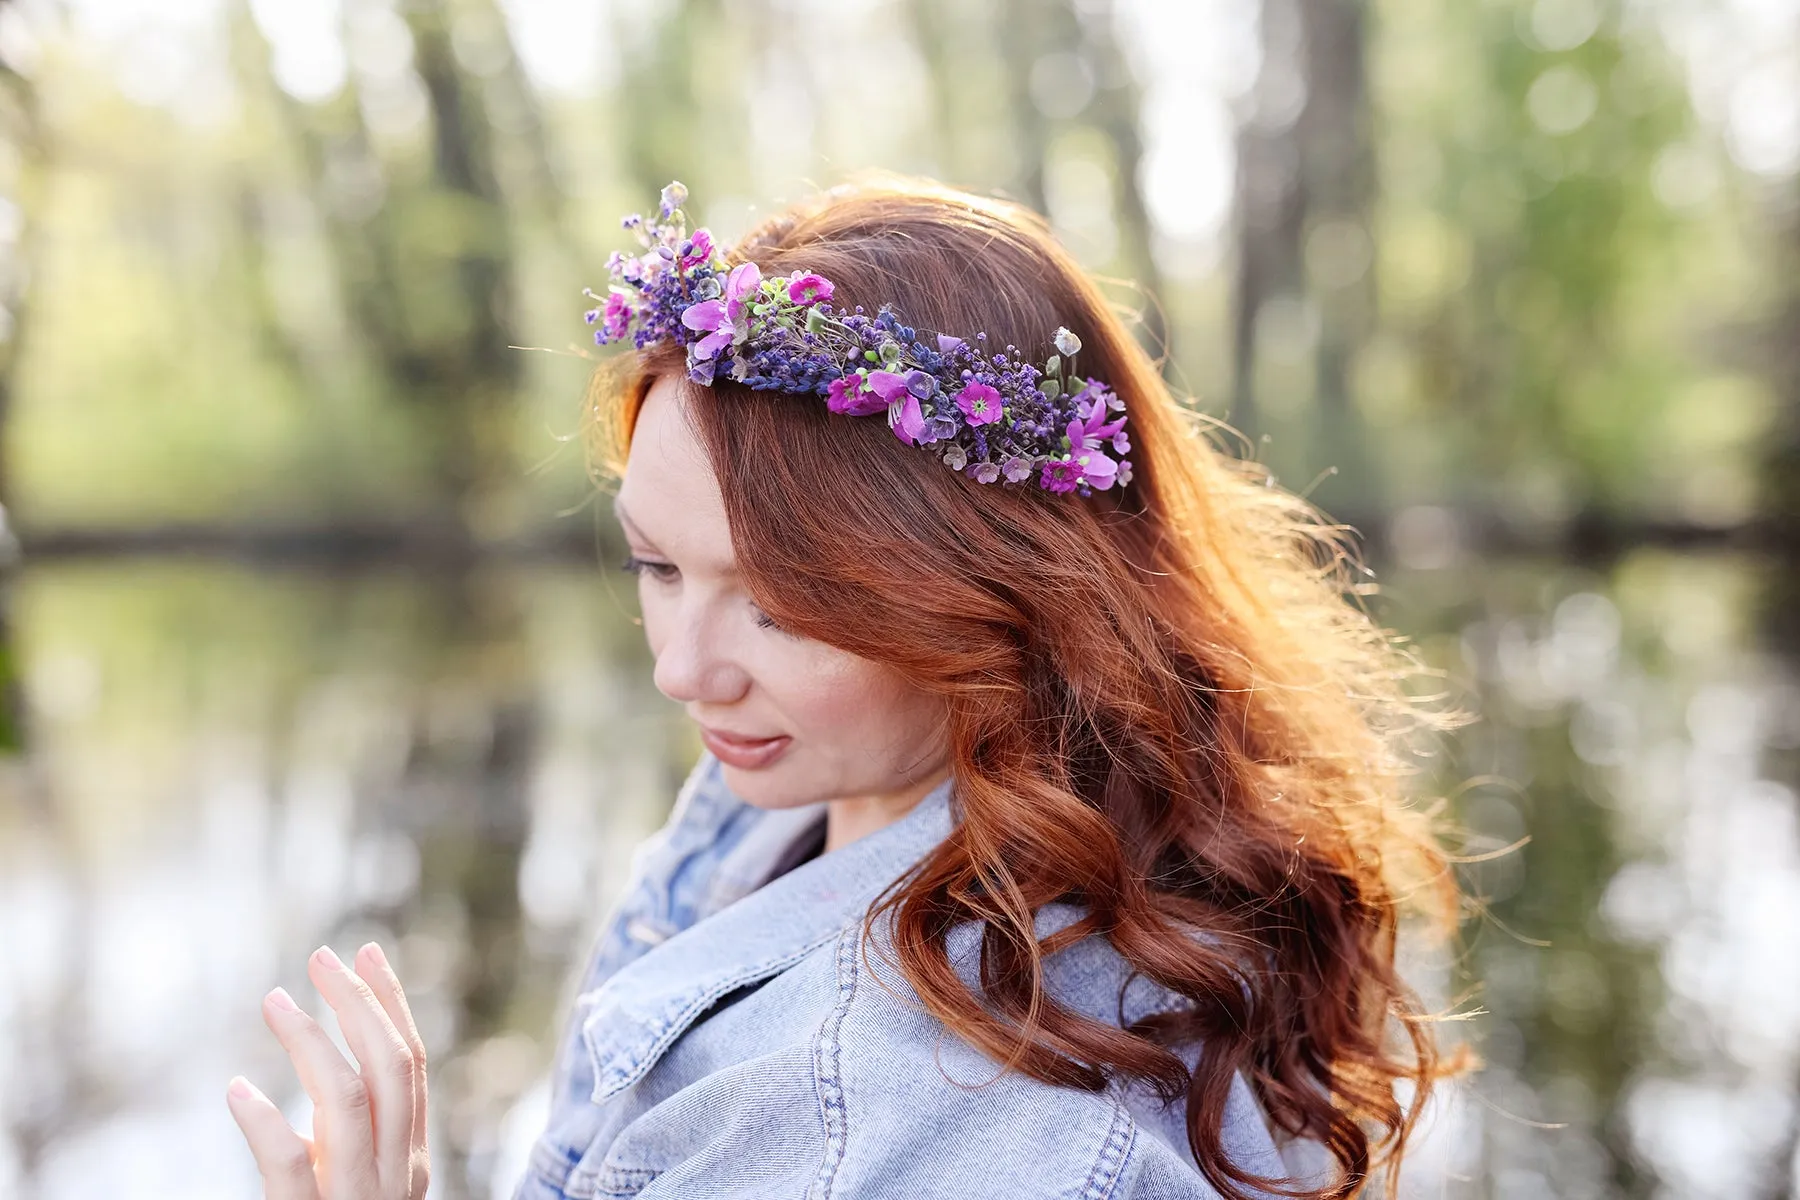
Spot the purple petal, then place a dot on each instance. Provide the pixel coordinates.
(744, 279)
(1097, 470)
(708, 314)
(848, 396)
(909, 423)
(890, 386)
(712, 343)
(946, 343)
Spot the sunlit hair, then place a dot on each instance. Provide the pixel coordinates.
(1166, 704)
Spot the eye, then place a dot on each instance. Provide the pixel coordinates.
(765, 621)
(662, 572)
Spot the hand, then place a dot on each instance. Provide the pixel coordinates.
(368, 1119)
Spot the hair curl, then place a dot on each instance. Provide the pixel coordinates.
(1165, 703)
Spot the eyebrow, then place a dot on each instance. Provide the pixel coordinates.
(632, 528)
(628, 523)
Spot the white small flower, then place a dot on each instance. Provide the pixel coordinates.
(1067, 344)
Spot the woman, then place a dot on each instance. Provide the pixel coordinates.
(1049, 838)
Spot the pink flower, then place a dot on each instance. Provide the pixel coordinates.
(726, 322)
(1060, 475)
(980, 403)
(618, 316)
(1097, 470)
(852, 396)
(905, 417)
(1091, 429)
(809, 288)
(700, 251)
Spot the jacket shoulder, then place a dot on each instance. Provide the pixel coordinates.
(924, 1113)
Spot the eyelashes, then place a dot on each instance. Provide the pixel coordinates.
(664, 572)
(660, 571)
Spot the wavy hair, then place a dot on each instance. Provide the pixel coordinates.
(1166, 704)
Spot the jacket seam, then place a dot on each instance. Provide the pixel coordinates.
(828, 1068)
(1120, 1137)
(611, 1077)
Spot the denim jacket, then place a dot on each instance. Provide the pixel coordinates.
(732, 1040)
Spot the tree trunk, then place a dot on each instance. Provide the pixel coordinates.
(1305, 168)
(23, 127)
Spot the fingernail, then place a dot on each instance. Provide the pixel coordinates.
(242, 1089)
(280, 999)
(374, 952)
(327, 959)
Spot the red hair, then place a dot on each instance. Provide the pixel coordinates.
(1164, 704)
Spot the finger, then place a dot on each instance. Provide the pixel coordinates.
(283, 1157)
(373, 966)
(384, 1058)
(344, 1128)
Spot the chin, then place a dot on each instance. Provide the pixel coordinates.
(767, 787)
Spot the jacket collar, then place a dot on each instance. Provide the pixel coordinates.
(636, 1015)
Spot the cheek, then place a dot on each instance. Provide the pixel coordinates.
(650, 609)
(838, 698)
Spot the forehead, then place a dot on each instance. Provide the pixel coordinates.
(669, 495)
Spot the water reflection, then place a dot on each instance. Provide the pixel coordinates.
(233, 765)
(1642, 1027)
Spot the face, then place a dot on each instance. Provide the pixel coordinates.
(793, 720)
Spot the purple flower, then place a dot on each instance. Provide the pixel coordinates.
(1060, 475)
(985, 472)
(1124, 473)
(852, 396)
(946, 343)
(725, 322)
(809, 288)
(1017, 469)
(980, 403)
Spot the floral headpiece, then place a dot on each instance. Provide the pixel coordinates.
(993, 417)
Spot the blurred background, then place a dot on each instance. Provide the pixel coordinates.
(310, 630)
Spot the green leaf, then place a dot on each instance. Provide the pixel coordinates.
(1053, 365)
(1052, 388)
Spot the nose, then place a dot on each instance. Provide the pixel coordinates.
(694, 663)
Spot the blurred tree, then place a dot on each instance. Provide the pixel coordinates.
(1065, 92)
(423, 240)
(676, 121)
(21, 183)
(1781, 602)
(1305, 183)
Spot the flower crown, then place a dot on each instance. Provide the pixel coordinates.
(993, 417)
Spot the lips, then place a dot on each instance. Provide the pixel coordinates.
(746, 754)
